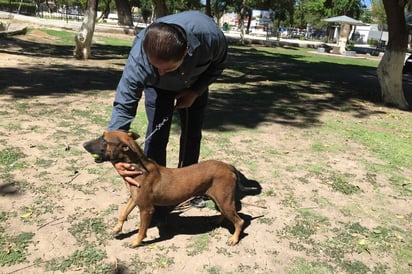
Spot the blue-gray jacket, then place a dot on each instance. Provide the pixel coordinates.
(204, 62)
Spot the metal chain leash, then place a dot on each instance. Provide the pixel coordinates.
(157, 128)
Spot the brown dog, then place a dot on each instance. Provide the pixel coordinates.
(162, 186)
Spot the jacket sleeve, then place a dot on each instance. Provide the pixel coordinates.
(218, 62)
(128, 93)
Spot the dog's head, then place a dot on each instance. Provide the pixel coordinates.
(115, 146)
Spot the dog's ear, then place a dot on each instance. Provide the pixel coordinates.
(131, 144)
(135, 136)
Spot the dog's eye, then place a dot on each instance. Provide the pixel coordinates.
(125, 148)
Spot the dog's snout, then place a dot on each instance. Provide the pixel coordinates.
(87, 146)
(94, 146)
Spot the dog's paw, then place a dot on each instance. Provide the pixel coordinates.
(232, 241)
(134, 244)
(117, 229)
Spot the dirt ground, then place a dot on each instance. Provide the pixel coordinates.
(51, 104)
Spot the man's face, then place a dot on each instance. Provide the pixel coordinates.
(164, 67)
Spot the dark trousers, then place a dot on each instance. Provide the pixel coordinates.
(160, 105)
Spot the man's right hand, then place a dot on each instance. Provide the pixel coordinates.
(128, 172)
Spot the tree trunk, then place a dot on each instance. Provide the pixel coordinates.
(84, 37)
(249, 22)
(390, 68)
(208, 8)
(242, 25)
(124, 13)
(106, 11)
(390, 78)
(160, 8)
(343, 37)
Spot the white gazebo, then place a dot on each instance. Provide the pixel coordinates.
(343, 36)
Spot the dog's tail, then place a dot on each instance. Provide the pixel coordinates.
(239, 180)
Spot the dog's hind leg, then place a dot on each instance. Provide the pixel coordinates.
(238, 223)
(228, 210)
(123, 216)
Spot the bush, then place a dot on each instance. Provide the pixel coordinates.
(22, 7)
(350, 44)
(373, 42)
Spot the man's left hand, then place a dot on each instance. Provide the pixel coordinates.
(186, 98)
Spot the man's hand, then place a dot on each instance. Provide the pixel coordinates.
(186, 98)
(128, 172)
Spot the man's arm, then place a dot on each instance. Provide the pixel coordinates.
(128, 93)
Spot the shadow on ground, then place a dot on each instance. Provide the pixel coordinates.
(282, 88)
(189, 225)
(258, 86)
(59, 78)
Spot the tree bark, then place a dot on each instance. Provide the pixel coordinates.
(343, 37)
(106, 11)
(160, 8)
(208, 8)
(242, 22)
(124, 13)
(84, 37)
(390, 68)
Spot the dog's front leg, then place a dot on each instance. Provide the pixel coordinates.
(123, 216)
(145, 219)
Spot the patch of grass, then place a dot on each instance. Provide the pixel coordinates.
(162, 261)
(320, 200)
(301, 266)
(62, 37)
(270, 192)
(138, 265)
(10, 159)
(306, 224)
(22, 107)
(95, 116)
(354, 267)
(268, 221)
(355, 238)
(40, 162)
(341, 184)
(244, 268)
(385, 238)
(403, 255)
(112, 41)
(321, 147)
(40, 206)
(198, 245)
(212, 269)
(13, 249)
(303, 54)
(350, 239)
(89, 230)
(289, 200)
(110, 209)
(3, 216)
(316, 169)
(90, 259)
(390, 143)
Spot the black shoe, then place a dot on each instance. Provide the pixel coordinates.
(198, 202)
